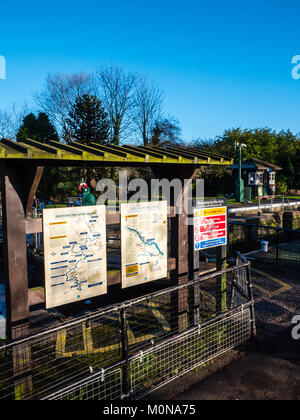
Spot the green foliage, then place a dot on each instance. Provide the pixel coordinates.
(59, 183)
(88, 122)
(281, 185)
(37, 128)
(280, 148)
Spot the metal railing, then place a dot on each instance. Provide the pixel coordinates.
(274, 203)
(282, 245)
(128, 350)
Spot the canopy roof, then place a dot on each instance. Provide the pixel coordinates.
(60, 154)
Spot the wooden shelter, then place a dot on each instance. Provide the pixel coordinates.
(22, 167)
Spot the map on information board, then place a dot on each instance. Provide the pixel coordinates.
(144, 248)
(74, 254)
(210, 225)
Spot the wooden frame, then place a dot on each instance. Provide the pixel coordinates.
(22, 167)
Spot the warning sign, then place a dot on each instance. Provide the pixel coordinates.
(210, 226)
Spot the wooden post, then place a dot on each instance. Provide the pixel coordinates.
(222, 282)
(19, 184)
(221, 257)
(194, 262)
(180, 238)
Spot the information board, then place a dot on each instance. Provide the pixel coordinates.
(74, 254)
(210, 225)
(144, 249)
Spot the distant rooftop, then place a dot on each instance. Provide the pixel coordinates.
(256, 164)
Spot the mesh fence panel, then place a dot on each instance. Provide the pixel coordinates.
(53, 360)
(164, 363)
(57, 357)
(107, 386)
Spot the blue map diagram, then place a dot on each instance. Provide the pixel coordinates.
(75, 254)
(143, 242)
(148, 242)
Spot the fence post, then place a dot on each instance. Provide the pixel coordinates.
(221, 257)
(222, 283)
(194, 263)
(251, 298)
(277, 246)
(249, 233)
(125, 354)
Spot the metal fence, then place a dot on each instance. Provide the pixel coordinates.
(128, 350)
(267, 244)
(103, 386)
(164, 363)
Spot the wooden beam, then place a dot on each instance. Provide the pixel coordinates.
(33, 178)
(66, 147)
(88, 149)
(37, 297)
(15, 146)
(108, 149)
(179, 240)
(41, 146)
(18, 186)
(36, 225)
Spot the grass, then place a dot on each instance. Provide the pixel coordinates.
(56, 206)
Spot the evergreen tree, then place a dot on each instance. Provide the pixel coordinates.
(37, 128)
(28, 128)
(88, 122)
(45, 130)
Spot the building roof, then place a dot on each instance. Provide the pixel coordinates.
(256, 164)
(60, 154)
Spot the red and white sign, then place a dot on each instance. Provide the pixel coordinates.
(210, 227)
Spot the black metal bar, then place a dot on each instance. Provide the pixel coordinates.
(277, 246)
(250, 293)
(125, 353)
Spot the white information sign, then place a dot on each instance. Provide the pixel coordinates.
(74, 254)
(144, 242)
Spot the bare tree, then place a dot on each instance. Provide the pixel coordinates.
(116, 92)
(6, 125)
(10, 121)
(148, 100)
(166, 132)
(60, 94)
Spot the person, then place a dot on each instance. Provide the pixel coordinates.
(88, 198)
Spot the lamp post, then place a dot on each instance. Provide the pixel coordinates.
(240, 185)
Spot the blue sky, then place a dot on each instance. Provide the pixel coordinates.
(222, 64)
